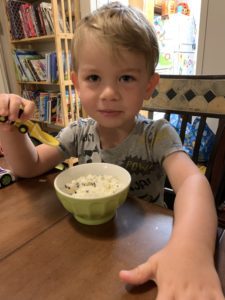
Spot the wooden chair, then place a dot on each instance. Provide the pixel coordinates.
(191, 97)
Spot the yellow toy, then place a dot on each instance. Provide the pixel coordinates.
(34, 131)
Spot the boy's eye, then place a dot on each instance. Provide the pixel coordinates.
(127, 78)
(93, 78)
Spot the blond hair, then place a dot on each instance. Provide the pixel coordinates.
(119, 26)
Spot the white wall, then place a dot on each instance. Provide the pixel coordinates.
(212, 38)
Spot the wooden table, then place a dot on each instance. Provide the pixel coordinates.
(46, 254)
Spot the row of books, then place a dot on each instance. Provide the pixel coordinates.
(33, 66)
(32, 19)
(48, 106)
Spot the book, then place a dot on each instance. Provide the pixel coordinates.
(33, 71)
(39, 67)
(59, 113)
(24, 20)
(29, 73)
(46, 11)
(35, 20)
(13, 7)
(31, 27)
(40, 19)
(47, 61)
(43, 96)
(23, 25)
(53, 67)
(20, 73)
(53, 107)
(22, 56)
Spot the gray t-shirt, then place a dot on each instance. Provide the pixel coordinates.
(141, 153)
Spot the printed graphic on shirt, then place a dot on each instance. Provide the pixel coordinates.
(144, 174)
(134, 164)
(88, 137)
(91, 155)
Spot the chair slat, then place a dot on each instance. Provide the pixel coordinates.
(183, 128)
(197, 143)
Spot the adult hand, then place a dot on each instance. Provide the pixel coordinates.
(180, 274)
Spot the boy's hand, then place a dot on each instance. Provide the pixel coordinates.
(10, 106)
(179, 275)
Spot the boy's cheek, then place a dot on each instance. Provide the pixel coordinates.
(84, 100)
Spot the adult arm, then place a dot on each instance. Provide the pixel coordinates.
(184, 269)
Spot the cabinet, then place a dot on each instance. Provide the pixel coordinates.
(29, 32)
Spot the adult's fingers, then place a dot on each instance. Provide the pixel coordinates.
(140, 274)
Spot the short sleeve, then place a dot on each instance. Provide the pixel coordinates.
(164, 140)
(68, 140)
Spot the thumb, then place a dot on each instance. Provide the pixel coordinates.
(140, 274)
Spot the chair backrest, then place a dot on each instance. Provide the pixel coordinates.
(191, 98)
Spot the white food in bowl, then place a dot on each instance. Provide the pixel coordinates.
(93, 186)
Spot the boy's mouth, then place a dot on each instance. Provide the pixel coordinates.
(108, 112)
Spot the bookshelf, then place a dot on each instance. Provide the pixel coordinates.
(41, 35)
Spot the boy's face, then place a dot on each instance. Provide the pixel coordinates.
(111, 87)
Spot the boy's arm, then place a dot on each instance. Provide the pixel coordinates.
(23, 157)
(185, 269)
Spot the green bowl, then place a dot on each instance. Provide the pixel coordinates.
(93, 211)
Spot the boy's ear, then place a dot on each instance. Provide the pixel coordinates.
(75, 80)
(153, 81)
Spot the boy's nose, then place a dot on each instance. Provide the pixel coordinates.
(110, 92)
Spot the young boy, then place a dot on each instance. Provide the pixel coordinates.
(115, 52)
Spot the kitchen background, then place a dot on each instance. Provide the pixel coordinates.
(190, 32)
(195, 48)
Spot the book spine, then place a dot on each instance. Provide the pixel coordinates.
(34, 21)
(45, 19)
(46, 100)
(41, 107)
(53, 111)
(48, 71)
(42, 23)
(29, 20)
(33, 71)
(59, 119)
(53, 67)
(12, 10)
(27, 69)
(20, 66)
(24, 20)
(39, 66)
(36, 114)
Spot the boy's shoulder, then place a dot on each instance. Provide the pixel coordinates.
(147, 122)
(79, 127)
(152, 128)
